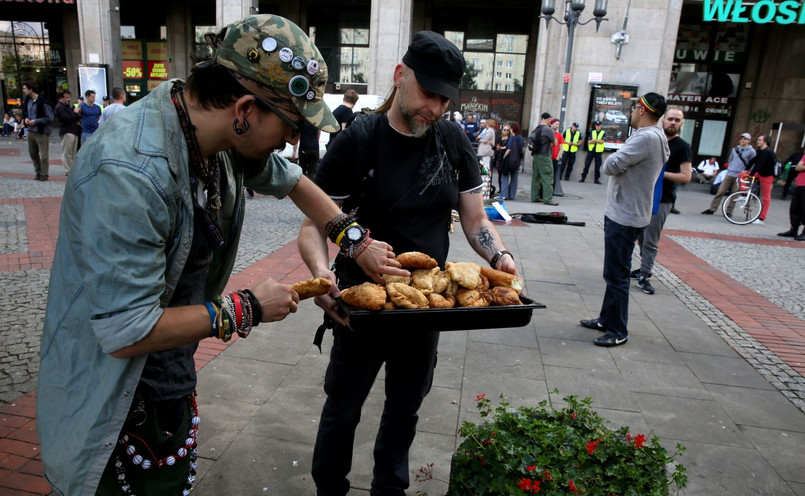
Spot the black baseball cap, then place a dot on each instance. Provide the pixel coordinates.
(436, 62)
(596, 123)
(546, 115)
(575, 124)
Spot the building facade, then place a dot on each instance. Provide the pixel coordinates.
(732, 66)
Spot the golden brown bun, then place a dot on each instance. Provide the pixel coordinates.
(388, 279)
(441, 281)
(470, 298)
(500, 278)
(312, 287)
(504, 296)
(406, 297)
(416, 260)
(466, 274)
(422, 279)
(436, 300)
(366, 296)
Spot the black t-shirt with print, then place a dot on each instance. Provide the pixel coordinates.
(407, 197)
(680, 153)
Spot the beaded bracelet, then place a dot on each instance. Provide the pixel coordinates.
(256, 308)
(355, 250)
(337, 224)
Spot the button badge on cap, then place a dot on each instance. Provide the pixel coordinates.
(298, 85)
(253, 55)
(269, 44)
(286, 54)
(312, 67)
(298, 63)
(310, 95)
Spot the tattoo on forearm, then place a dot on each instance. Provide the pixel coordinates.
(486, 240)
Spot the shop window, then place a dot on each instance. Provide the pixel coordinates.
(353, 55)
(26, 54)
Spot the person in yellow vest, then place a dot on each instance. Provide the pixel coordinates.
(595, 148)
(571, 145)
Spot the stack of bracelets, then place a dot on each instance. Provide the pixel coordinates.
(235, 312)
(336, 229)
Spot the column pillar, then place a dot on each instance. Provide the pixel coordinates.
(389, 36)
(229, 11)
(180, 38)
(99, 27)
(72, 49)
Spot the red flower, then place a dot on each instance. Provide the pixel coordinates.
(547, 475)
(639, 441)
(573, 416)
(629, 437)
(571, 486)
(524, 484)
(592, 446)
(531, 468)
(535, 486)
(480, 397)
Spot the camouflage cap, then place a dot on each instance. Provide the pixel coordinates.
(275, 53)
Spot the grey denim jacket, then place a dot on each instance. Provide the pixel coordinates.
(125, 232)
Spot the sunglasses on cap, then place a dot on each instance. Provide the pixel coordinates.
(296, 127)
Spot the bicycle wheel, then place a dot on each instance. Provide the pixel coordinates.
(742, 207)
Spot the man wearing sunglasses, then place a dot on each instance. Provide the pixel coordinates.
(149, 230)
(632, 172)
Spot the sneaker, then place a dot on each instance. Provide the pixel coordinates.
(708, 212)
(675, 211)
(635, 274)
(646, 286)
(758, 221)
(801, 237)
(791, 233)
(593, 324)
(551, 202)
(597, 182)
(610, 339)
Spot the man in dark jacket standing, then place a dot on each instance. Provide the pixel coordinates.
(69, 130)
(38, 119)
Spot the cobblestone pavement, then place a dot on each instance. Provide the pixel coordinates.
(270, 224)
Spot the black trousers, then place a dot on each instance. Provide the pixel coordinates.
(588, 160)
(797, 210)
(568, 161)
(355, 359)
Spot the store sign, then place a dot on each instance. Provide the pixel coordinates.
(157, 70)
(131, 50)
(475, 106)
(610, 104)
(762, 12)
(133, 69)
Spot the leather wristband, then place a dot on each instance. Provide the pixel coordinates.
(496, 258)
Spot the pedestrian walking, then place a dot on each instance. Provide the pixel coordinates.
(38, 122)
(69, 130)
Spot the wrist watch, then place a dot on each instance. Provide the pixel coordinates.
(353, 235)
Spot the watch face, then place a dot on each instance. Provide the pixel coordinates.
(354, 233)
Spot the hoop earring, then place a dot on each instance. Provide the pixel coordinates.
(239, 130)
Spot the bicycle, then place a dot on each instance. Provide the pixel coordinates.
(743, 206)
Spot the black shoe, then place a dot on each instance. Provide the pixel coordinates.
(581, 180)
(593, 324)
(597, 182)
(645, 285)
(37, 177)
(610, 339)
(675, 211)
(635, 274)
(791, 233)
(707, 212)
(801, 237)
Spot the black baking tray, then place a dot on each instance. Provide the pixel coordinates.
(441, 319)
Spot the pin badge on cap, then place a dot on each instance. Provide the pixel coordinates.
(312, 67)
(253, 55)
(269, 44)
(298, 63)
(286, 54)
(298, 85)
(310, 95)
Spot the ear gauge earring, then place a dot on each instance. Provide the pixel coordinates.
(240, 130)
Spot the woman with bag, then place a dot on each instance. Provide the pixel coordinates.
(510, 168)
(500, 151)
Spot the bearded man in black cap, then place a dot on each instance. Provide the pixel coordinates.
(399, 171)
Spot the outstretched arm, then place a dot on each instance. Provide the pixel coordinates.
(481, 234)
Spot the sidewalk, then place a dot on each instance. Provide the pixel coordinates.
(715, 358)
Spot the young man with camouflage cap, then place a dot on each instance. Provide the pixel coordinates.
(149, 230)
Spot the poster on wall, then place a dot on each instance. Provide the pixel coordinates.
(92, 78)
(611, 105)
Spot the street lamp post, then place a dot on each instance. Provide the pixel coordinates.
(573, 9)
